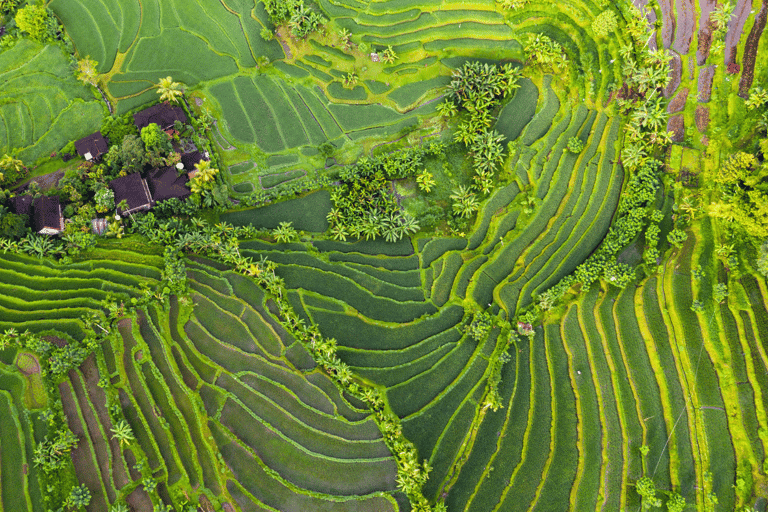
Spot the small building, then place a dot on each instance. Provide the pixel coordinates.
(166, 183)
(21, 205)
(133, 190)
(162, 114)
(92, 147)
(47, 218)
(190, 159)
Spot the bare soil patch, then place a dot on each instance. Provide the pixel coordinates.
(702, 118)
(750, 51)
(139, 500)
(676, 125)
(735, 27)
(85, 468)
(704, 37)
(686, 24)
(705, 84)
(678, 102)
(676, 74)
(94, 433)
(59, 342)
(667, 22)
(99, 400)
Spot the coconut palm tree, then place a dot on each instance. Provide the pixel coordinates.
(169, 90)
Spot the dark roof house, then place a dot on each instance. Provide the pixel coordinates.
(46, 217)
(162, 114)
(190, 159)
(21, 205)
(132, 189)
(92, 146)
(166, 183)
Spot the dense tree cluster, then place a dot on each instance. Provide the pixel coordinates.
(301, 18)
(363, 205)
(475, 89)
(38, 22)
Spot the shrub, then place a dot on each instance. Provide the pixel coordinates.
(480, 326)
(116, 128)
(605, 23)
(8, 6)
(575, 145)
(676, 237)
(38, 22)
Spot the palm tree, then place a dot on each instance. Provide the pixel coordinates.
(465, 202)
(350, 79)
(169, 90)
(122, 432)
(285, 232)
(389, 55)
(339, 232)
(8, 163)
(464, 133)
(633, 156)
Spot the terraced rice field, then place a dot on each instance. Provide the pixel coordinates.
(42, 106)
(236, 408)
(224, 402)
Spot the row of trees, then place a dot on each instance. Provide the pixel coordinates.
(475, 90)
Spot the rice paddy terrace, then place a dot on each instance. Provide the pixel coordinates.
(231, 412)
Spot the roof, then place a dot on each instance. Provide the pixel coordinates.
(190, 159)
(162, 114)
(166, 183)
(21, 205)
(92, 146)
(132, 189)
(47, 213)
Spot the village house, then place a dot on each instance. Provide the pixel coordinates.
(43, 211)
(92, 147)
(46, 215)
(162, 114)
(134, 191)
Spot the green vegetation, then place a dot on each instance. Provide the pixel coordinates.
(458, 256)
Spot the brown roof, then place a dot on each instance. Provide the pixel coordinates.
(47, 213)
(95, 144)
(190, 159)
(21, 205)
(161, 114)
(166, 183)
(132, 189)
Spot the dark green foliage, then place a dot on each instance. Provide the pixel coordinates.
(480, 326)
(13, 225)
(116, 128)
(129, 156)
(8, 6)
(575, 145)
(155, 139)
(302, 19)
(38, 22)
(363, 205)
